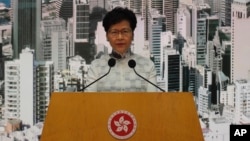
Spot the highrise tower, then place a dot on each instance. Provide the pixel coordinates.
(26, 26)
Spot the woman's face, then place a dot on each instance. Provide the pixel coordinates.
(120, 36)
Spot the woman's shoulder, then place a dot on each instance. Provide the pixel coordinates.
(142, 60)
(102, 61)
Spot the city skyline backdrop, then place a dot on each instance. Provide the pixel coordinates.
(199, 46)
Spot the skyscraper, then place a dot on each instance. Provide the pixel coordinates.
(215, 5)
(240, 39)
(242, 110)
(26, 26)
(167, 8)
(1, 59)
(184, 22)
(20, 88)
(64, 9)
(170, 10)
(81, 30)
(81, 20)
(225, 12)
(45, 86)
(54, 42)
(172, 71)
(157, 24)
(158, 5)
(200, 12)
(134, 5)
(28, 85)
(97, 3)
(146, 6)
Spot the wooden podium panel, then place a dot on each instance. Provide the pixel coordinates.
(159, 116)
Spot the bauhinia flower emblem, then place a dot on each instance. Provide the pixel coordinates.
(122, 124)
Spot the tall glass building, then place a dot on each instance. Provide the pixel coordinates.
(26, 26)
(157, 25)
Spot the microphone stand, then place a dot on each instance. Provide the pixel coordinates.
(96, 80)
(111, 64)
(148, 81)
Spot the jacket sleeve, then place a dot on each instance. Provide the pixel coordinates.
(152, 78)
(92, 75)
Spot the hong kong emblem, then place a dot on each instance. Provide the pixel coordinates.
(122, 124)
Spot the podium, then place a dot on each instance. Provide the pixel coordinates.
(133, 116)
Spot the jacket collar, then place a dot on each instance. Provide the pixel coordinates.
(121, 56)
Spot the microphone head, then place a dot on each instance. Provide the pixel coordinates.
(131, 63)
(111, 62)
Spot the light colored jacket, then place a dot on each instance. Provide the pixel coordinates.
(122, 78)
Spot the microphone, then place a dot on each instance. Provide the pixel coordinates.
(132, 64)
(111, 64)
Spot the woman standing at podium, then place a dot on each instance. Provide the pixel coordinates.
(119, 25)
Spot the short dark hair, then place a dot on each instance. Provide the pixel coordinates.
(117, 15)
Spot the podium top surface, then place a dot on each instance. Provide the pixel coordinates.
(90, 116)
